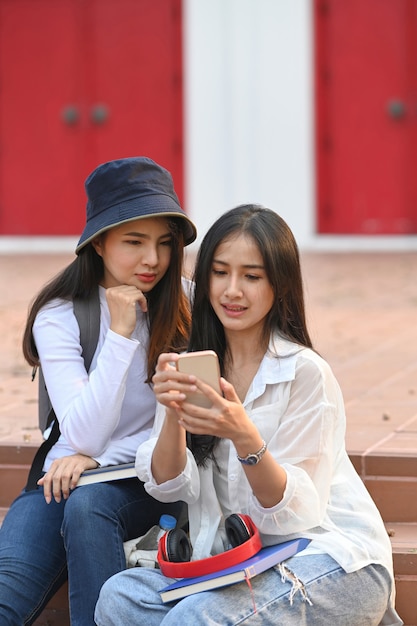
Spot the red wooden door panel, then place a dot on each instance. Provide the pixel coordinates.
(139, 84)
(366, 116)
(83, 81)
(38, 152)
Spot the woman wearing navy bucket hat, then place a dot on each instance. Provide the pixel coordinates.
(130, 254)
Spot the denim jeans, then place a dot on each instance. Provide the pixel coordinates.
(83, 535)
(326, 596)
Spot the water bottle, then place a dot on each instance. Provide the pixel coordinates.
(166, 522)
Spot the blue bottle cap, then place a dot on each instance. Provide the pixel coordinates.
(167, 522)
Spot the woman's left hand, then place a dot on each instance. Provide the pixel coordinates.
(226, 418)
(63, 476)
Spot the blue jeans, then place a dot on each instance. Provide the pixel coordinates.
(329, 596)
(83, 535)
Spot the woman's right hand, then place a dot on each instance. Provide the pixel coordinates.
(122, 306)
(63, 476)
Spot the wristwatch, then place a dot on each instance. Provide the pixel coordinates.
(254, 457)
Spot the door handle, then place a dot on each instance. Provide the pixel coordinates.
(99, 114)
(70, 114)
(396, 109)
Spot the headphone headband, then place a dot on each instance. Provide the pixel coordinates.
(175, 569)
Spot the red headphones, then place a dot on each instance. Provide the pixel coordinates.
(174, 549)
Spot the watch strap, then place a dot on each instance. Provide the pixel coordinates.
(254, 457)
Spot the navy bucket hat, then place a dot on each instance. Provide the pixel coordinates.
(129, 189)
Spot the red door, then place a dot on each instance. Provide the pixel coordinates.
(82, 82)
(366, 116)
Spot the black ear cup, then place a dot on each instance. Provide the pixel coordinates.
(236, 530)
(177, 546)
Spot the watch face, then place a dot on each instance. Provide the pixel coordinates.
(254, 458)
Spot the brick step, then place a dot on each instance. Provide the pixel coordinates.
(56, 613)
(404, 548)
(406, 588)
(15, 462)
(395, 497)
(53, 617)
(391, 480)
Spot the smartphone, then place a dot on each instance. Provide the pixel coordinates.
(205, 365)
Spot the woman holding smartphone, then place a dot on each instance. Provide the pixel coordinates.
(270, 446)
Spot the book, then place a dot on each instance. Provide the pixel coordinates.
(260, 562)
(110, 472)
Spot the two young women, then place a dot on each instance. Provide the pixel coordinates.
(281, 402)
(131, 250)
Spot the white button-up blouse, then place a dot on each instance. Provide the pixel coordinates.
(297, 406)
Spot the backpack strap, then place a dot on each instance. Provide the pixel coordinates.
(87, 312)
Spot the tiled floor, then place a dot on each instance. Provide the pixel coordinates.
(362, 311)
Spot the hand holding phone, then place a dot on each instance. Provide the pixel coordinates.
(203, 364)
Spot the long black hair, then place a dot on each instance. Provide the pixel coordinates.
(279, 251)
(168, 307)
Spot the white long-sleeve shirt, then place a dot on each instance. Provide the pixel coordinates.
(109, 413)
(297, 406)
